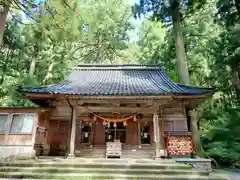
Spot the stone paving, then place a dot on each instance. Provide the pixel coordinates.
(228, 174)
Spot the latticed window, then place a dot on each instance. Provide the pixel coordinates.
(3, 122)
(22, 123)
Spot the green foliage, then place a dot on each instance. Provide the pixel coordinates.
(221, 133)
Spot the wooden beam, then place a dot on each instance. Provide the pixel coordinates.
(65, 118)
(23, 110)
(82, 98)
(39, 95)
(130, 110)
(151, 108)
(112, 102)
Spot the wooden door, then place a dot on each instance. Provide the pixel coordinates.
(99, 133)
(131, 133)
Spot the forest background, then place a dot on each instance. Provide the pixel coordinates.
(42, 40)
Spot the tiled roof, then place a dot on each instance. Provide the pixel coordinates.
(100, 80)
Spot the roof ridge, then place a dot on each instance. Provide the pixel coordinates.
(118, 66)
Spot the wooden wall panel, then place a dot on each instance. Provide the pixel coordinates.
(2, 138)
(52, 131)
(131, 133)
(64, 111)
(99, 134)
(18, 139)
(173, 112)
(57, 137)
(42, 119)
(58, 132)
(174, 118)
(180, 125)
(168, 126)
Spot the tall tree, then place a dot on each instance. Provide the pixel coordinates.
(31, 7)
(179, 42)
(4, 9)
(106, 26)
(172, 13)
(229, 12)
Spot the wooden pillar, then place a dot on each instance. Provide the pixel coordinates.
(34, 132)
(139, 133)
(162, 139)
(80, 134)
(92, 133)
(72, 134)
(46, 141)
(156, 135)
(162, 135)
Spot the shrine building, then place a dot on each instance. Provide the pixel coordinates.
(132, 111)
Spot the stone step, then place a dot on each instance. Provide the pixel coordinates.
(95, 164)
(56, 160)
(91, 153)
(137, 156)
(97, 176)
(126, 170)
(126, 153)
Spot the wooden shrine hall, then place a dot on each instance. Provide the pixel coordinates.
(115, 110)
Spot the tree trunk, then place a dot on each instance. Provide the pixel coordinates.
(48, 78)
(32, 66)
(3, 17)
(4, 67)
(236, 79)
(195, 132)
(179, 44)
(33, 62)
(183, 68)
